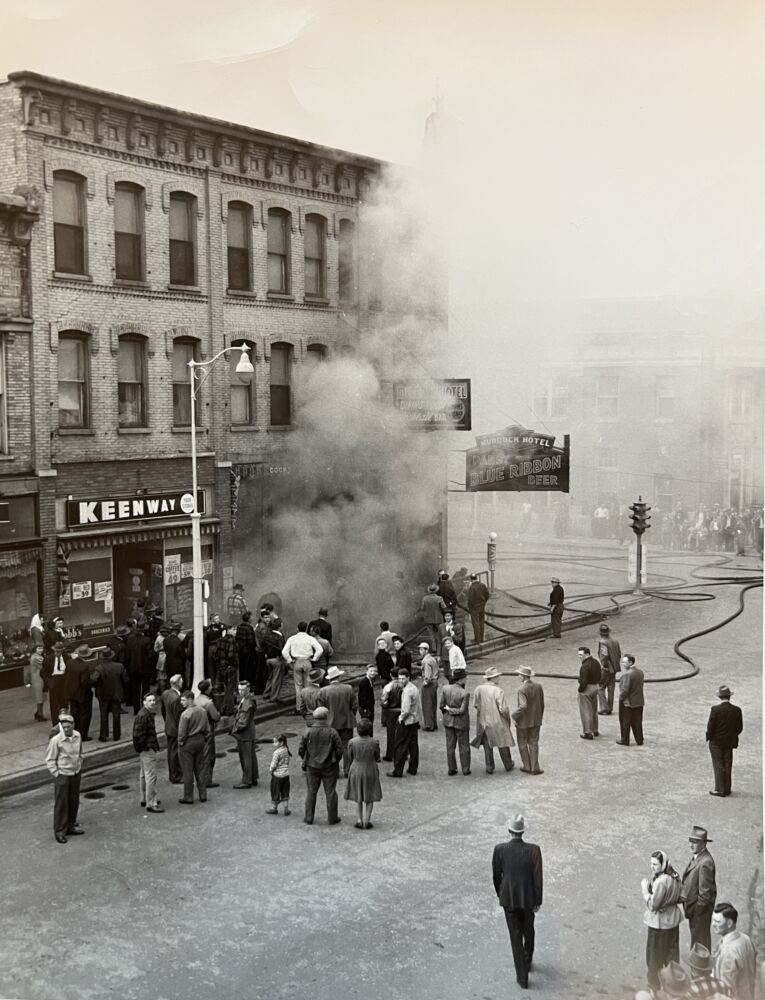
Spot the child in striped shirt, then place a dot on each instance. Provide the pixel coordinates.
(280, 776)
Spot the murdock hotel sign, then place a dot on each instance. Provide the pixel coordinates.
(518, 459)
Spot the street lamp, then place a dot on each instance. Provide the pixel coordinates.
(199, 372)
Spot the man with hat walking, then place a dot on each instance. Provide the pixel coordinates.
(342, 704)
(609, 654)
(429, 690)
(555, 604)
(432, 611)
(110, 689)
(723, 729)
(53, 676)
(64, 761)
(78, 689)
(528, 720)
(477, 598)
(454, 705)
(517, 874)
(493, 721)
(699, 888)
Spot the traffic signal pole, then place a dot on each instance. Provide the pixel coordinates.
(640, 518)
(638, 564)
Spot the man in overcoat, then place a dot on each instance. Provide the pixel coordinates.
(699, 888)
(171, 710)
(609, 654)
(111, 683)
(723, 729)
(493, 721)
(517, 874)
(78, 689)
(528, 720)
(454, 703)
(342, 704)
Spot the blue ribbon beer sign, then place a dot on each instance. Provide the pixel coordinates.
(517, 459)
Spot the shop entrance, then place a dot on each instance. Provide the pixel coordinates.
(137, 574)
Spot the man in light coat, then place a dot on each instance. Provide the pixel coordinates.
(528, 720)
(342, 704)
(699, 888)
(735, 965)
(64, 761)
(429, 692)
(454, 704)
(493, 721)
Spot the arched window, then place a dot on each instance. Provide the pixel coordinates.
(238, 230)
(128, 232)
(242, 394)
(182, 239)
(278, 251)
(281, 378)
(315, 258)
(131, 381)
(346, 263)
(69, 230)
(184, 350)
(73, 381)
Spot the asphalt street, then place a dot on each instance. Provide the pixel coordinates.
(222, 901)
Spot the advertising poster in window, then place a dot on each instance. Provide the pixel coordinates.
(87, 616)
(179, 582)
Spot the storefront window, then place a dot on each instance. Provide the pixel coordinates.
(87, 603)
(179, 589)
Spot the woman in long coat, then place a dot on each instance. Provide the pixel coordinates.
(493, 721)
(363, 785)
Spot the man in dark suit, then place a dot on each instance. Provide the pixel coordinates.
(700, 889)
(112, 680)
(631, 701)
(723, 729)
(171, 712)
(477, 597)
(322, 626)
(555, 604)
(517, 872)
(78, 689)
(528, 720)
(175, 652)
(138, 653)
(53, 675)
(367, 693)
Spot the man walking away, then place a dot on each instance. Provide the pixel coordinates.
(555, 604)
(407, 728)
(64, 761)
(193, 729)
(146, 745)
(631, 701)
(432, 610)
(609, 655)
(171, 710)
(723, 730)
(517, 873)
(699, 888)
(454, 704)
(589, 679)
(320, 750)
(478, 595)
(528, 720)
(243, 731)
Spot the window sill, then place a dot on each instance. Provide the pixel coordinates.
(193, 289)
(183, 430)
(64, 276)
(316, 300)
(282, 427)
(134, 430)
(7, 458)
(76, 432)
(280, 297)
(241, 293)
(131, 283)
(243, 428)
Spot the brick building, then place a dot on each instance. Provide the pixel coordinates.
(163, 236)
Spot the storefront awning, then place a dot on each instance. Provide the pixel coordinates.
(19, 562)
(128, 535)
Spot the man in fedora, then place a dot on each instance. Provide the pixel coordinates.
(528, 720)
(609, 654)
(310, 694)
(674, 981)
(493, 722)
(111, 685)
(454, 703)
(78, 689)
(555, 604)
(53, 676)
(432, 609)
(517, 873)
(342, 704)
(699, 888)
(477, 598)
(735, 962)
(703, 980)
(723, 729)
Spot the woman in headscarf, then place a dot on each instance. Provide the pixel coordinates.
(661, 894)
(35, 631)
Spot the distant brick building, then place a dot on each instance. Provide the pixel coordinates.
(164, 236)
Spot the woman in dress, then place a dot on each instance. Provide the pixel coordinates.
(363, 786)
(661, 894)
(33, 680)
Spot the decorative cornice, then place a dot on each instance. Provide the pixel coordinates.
(118, 291)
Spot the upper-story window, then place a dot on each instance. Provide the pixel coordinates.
(551, 398)
(315, 354)
(131, 381)
(315, 264)
(278, 251)
(346, 262)
(69, 228)
(242, 395)
(238, 229)
(73, 401)
(128, 232)
(607, 401)
(182, 239)
(183, 352)
(281, 378)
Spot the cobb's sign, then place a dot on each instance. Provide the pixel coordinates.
(118, 510)
(518, 459)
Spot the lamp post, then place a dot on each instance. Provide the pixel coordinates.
(199, 372)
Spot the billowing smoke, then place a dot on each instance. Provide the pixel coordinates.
(354, 524)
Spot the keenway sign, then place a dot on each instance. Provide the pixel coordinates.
(118, 510)
(517, 459)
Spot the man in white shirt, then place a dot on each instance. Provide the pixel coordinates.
(734, 958)
(64, 761)
(407, 728)
(455, 656)
(300, 650)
